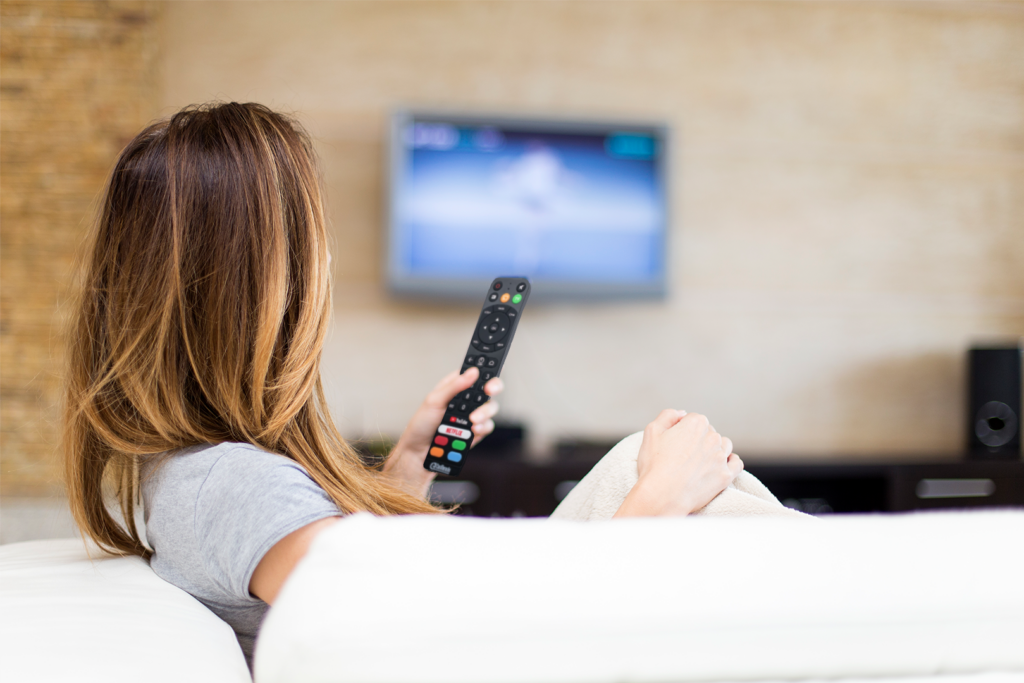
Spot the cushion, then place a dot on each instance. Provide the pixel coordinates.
(72, 614)
(442, 599)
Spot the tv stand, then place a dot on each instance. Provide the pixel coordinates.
(511, 487)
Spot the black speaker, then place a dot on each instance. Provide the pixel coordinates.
(994, 416)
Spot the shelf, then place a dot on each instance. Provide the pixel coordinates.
(509, 487)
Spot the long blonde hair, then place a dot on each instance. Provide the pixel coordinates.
(203, 313)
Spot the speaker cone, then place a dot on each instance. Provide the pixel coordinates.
(995, 424)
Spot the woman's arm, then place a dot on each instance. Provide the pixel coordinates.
(280, 560)
(683, 463)
(405, 464)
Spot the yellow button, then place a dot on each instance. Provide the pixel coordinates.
(437, 452)
(505, 297)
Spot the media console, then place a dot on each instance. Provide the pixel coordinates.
(511, 487)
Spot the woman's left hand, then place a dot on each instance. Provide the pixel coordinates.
(405, 463)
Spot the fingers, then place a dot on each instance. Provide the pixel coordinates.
(735, 464)
(484, 412)
(696, 421)
(666, 419)
(494, 387)
(481, 418)
(450, 385)
(481, 430)
(466, 379)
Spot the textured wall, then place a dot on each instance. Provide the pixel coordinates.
(77, 80)
(848, 201)
(848, 198)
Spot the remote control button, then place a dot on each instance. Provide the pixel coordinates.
(459, 420)
(488, 311)
(499, 345)
(493, 297)
(480, 398)
(505, 297)
(497, 286)
(451, 406)
(521, 287)
(493, 327)
(437, 452)
(517, 298)
(441, 440)
(463, 407)
(454, 431)
(471, 360)
(476, 343)
(467, 396)
(486, 376)
(492, 362)
(459, 445)
(454, 456)
(480, 361)
(511, 314)
(486, 348)
(501, 309)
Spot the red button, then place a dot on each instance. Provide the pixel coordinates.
(441, 440)
(452, 419)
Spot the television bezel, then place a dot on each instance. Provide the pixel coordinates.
(405, 285)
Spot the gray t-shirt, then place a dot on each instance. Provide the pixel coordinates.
(213, 511)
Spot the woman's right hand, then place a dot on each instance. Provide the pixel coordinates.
(683, 463)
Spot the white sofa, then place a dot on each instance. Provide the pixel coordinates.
(425, 599)
(70, 614)
(935, 597)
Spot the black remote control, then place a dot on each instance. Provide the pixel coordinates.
(503, 307)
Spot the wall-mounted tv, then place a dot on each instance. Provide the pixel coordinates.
(580, 207)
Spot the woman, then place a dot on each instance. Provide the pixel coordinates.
(194, 372)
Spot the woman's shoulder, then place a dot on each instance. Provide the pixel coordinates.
(242, 465)
(188, 473)
(207, 456)
(216, 485)
(212, 512)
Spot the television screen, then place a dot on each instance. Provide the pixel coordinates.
(577, 207)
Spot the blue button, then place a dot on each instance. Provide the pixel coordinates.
(454, 456)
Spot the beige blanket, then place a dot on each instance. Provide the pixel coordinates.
(601, 492)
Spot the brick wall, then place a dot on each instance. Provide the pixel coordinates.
(77, 80)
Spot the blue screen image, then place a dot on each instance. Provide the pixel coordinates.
(476, 202)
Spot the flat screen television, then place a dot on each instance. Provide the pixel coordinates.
(577, 206)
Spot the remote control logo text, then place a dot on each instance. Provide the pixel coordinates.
(454, 431)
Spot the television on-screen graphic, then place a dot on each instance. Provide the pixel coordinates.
(579, 207)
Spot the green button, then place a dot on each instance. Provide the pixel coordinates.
(459, 445)
(517, 298)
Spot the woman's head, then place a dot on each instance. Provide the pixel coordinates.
(204, 310)
(210, 266)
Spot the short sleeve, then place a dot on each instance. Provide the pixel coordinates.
(250, 500)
